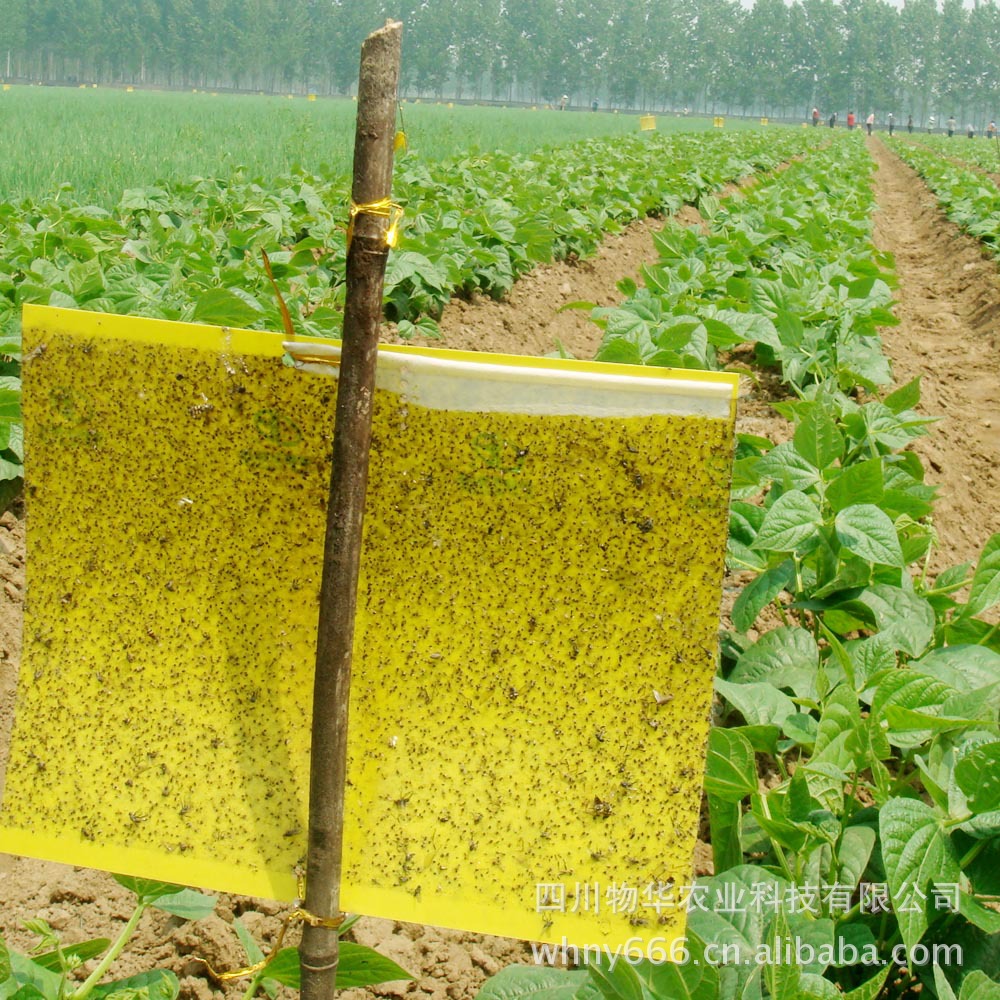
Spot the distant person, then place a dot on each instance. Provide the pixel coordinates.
(951, 126)
(991, 130)
(971, 131)
(931, 122)
(832, 120)
(563, 101)
(870, 121)
(892, 122)
(594, 105)
(815, 117)
(909, 124)
(851, 121)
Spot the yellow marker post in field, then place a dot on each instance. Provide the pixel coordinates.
(647, 123)
(535, 640)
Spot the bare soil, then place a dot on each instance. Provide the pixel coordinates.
(948, 303)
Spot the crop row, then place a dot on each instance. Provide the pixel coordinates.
(192, 251)
(970, 199)
(875, 699)
(984, 155)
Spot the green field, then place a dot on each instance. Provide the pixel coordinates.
(101, 142)
(161, 204)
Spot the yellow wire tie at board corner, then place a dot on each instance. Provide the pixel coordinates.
(384, 207)
(298, 915)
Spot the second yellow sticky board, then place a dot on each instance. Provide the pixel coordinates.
(534, 651)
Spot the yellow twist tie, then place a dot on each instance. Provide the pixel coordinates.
(384, 207)
(298, 915)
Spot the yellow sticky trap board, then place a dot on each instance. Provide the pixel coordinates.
(536, 626)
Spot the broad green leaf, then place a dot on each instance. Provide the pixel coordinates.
(742, 899)
(724, 823)
(986, 579)
(10, 401)
(907, 720)
(818, 439)
(27, 993)
(745, 520)
(966, 668)
(945, 992)
(5, 969)
(769, 811)
(947, 759)
(854, 852)
(27, 972)
(838, 723)
(978, 986)
(84, 951)
(902, 617)
(977, 914)
(619, 983)
(786, 656)
(871, 988)
(731, 771)
(694, 979)
(786, 466)
(801, 728)
(870, 657)
(909, 690)
(752, 989)
(826, 784)
(157, 984)
(764, 739)
(867, 531)
(916, 851)
(981, 705)
(861, 288)
(284, 968)
(225, 307)
(813, 987)
(978, 775)
(757, 594)
(759, 703)
(617, 350)
(359, 966)
(791, 521)
(905, 397)
(188, 903)
(534, 982)
(813, 938)
(253, 950)
(147, 889)
(741, 556)
(860, 482)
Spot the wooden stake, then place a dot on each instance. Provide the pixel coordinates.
(366, 260)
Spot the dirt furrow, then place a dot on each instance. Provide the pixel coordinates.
(528, 319)
(948, 304)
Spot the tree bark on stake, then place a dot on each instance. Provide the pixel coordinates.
(367, 253)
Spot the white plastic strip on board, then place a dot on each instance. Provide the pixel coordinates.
(440, 383)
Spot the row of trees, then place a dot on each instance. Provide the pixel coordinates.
(710, 55)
